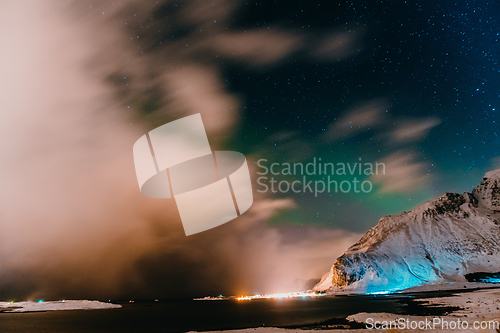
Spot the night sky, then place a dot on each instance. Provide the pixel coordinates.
(421, 62)
(411, 84)
(425, 58)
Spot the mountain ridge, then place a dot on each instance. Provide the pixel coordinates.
(438, 241)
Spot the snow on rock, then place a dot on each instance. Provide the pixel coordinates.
(437, 242)
(55, 305)
(488, 192)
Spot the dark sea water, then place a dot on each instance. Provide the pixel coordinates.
(190, 315)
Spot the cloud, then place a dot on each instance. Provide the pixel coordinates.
(202, 13)
(257, 47)
(373, 116)
(338, 45)
(405, 170)
(266, 46)
(73, 222)
(196, 89)
(410, 130)
(357, 120)
(403, 173)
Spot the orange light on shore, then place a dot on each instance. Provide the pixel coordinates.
(279, 296)
(269, 296)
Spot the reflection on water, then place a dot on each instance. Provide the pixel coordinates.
(188, 315)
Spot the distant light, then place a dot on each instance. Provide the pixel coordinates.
(40, 301)
(280, 296)
(379, 293)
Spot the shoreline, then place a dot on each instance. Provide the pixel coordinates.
(450, 305)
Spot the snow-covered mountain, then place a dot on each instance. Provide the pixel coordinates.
(439, 241)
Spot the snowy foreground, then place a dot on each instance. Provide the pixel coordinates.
(54, 306)
(479, 307)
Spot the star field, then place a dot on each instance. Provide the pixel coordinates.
(428, 59)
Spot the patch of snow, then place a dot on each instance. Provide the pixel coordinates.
(459, 286)
(55, 306)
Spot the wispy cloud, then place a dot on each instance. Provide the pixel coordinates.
(75, 99)
(338, 45)
(257, 47)
(357, 120)
(409, 130)
(199, 89)
(404, 172)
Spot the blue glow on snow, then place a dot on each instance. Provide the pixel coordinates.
(491, 280)
(380, 293)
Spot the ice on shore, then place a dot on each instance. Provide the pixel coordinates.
(55, 306)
